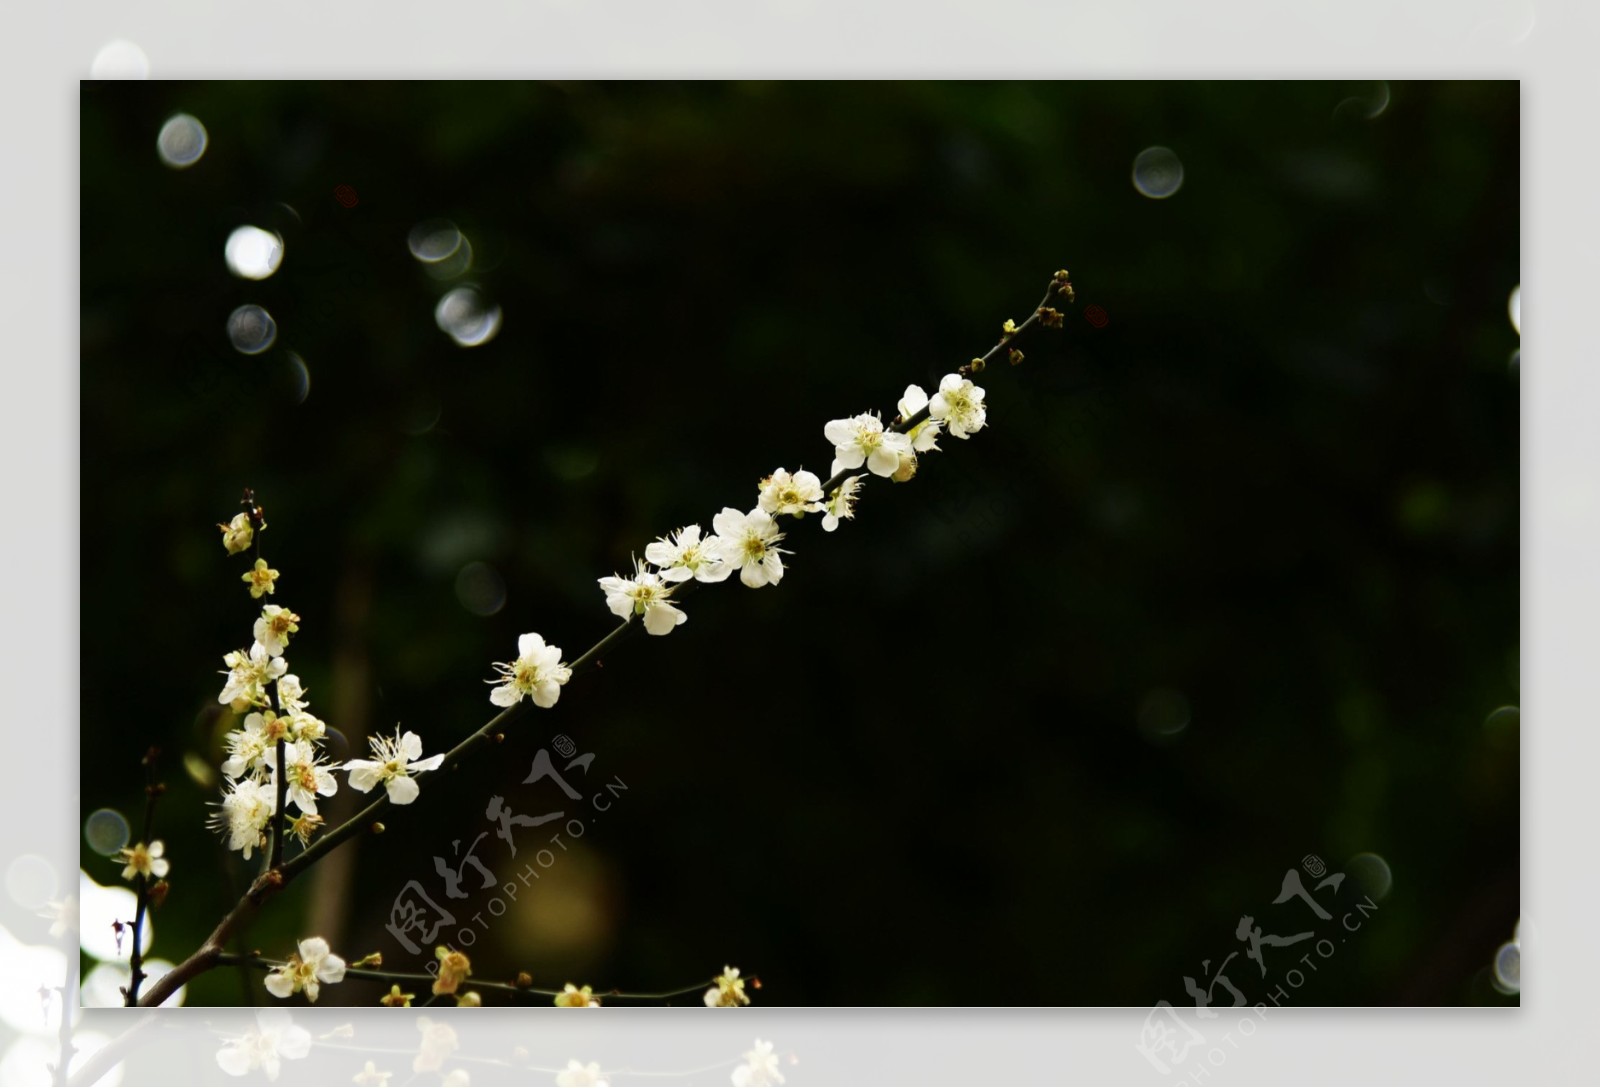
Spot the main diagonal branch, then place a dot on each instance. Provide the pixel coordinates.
(210, 953)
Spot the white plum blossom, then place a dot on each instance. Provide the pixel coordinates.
(727, 991)
(843, 503)
(925, 435)
(248, 676)
(537, 672)
(243, 815)
(760, 1068)
(959, 404)
(291, 696)
(274, 1038)
(237, 534)
(311, 966)
(750, 542)
(683, 556)
(308, 778)
(579, 1075)
(274, 626)
(645, 594)
(396, 761)
(307, 728)
(145, 861)
(799, 494)
(250, 747)
(862, 440)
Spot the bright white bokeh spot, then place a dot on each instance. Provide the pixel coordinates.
(299, 377)
(182, 141)
(467, 318)
(98, 907)
(106, 831)
(1372, 873)
(1514, 308)
(120, 60)
(28, 967)
(251, 329)
(434, 240)
(253, 253)
(102, 987)
(1508, 968)
(30, 881)
(1157, 173)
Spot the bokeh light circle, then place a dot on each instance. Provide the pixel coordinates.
(1371, 873)
(480, 589)
(251, 329)
(182, 141)
(1508, 968)
(434, 240)
(106, 831)
(1514, 308)
(120, 59)
(253, 253)
(1157, 172)
(31, 881)
(466, 318)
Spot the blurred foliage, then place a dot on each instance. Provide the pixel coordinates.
(1274, 494)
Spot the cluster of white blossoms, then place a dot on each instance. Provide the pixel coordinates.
(747, 542)
(275, 712)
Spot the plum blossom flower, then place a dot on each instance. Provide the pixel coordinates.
(454, 967)
(799, 494)
(925, 435)
(750, 542)
(251, 745)
(684, 555)
(248, 676)
(372, 1076)
(575, 998)
(959, 404)
(645, 594)
(261, 578)
(142, 860)
(274, 626)
(537, 672)
(308, 778)
(237, 534)
(760, 1068)
(862, 440)
(310, 966)
(728, 991)
(291, 696)
(439, 1041)
(274, 1038)
(395, 999)
(243, 814)
(578, 1075)
(307, 728)
(396, 761)
(843, 503)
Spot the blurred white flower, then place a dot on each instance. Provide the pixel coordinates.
(308, 778)
(244, 813)
(248, 676)
(62, 915)
(578, 1075)
(371, 1075)
(750, 542)
(142, 860)
(684, 555)
(798, 494)
(959, 404)
(862, 440)
(237, 534)
(645, 594)
(276, 1037)
(396, 761)
(843, 503)
(274, 626)
(577, 997)
(537, 672)
(760, 1067)
(311, 966)
(728, 991)
(925, 435)
(439, 1041)
(456, 1078)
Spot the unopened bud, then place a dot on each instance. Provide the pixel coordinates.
(371, 959)
(1015, 356)
(907, 469)
(469, 1000)
(524, 980)
(377, 827)
(977, 365)
(158, 893)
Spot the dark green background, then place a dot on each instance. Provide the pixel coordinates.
(1280, 484)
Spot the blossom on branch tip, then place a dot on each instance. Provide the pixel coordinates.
(537, 672)
(925, 435)
(684, 555)
(311, 966)
(454, 967)
(760, 1068)
(727, 991)
(574, 998)
(308, 778)
(843, 503)
(237, 534)
(274, 1039)
(396, 761)
(394, 999)
(274, 626)
(799, 494)
(959, 404)
(142, 860)
(863, 440)
(243, 815)
(750, 543)
(261, 578)
(248, 676)
(645, 594)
